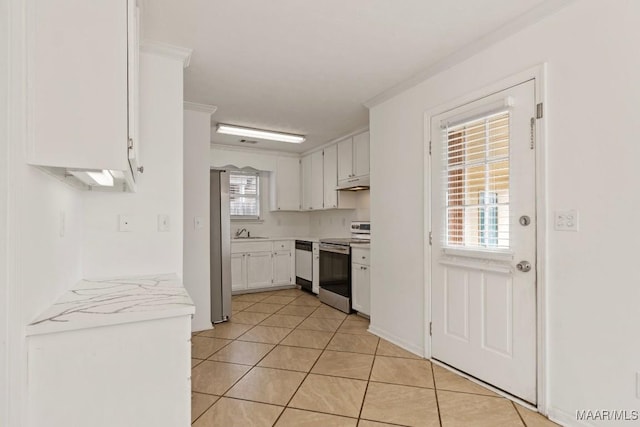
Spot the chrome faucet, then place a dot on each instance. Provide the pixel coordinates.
(239, 232)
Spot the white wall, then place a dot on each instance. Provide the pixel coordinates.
(144, 250)
(591, 117)
(4, 136)
(42, 261)
(197, 134)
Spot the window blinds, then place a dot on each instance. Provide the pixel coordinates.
(244, 195)
(477, 182)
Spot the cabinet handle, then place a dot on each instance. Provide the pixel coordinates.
(353, 180)
(130, 146)
(141, 169)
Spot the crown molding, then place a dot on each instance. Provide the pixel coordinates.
(176, 52)
(203, 108)
(514, 26)
(334, 140)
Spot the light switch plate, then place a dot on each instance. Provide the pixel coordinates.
(566, 220)
(125, 223)
(164, 223)
(638, 385)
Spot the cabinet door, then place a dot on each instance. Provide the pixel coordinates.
(317, 184)
(330, 168)
(287, 184)
(259, 269)
(361, 154)
(238, 272)
(360, 278)
(345, 159)
(133, 86)
(306, 183)
(77, 84)
(282, 268)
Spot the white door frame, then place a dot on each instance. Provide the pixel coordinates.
(539, 74)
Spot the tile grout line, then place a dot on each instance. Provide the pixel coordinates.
(324, 349)
(366, 389)
(310, 369)
(524, 423)
(435, 391)
(243, 375)
(256, 364)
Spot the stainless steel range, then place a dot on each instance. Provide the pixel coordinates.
(335, 266)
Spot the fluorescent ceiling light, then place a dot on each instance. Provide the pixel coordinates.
(260, 134)
(102, 178)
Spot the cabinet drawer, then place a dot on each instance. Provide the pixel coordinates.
(240, 247)
(282, 245)
(360, 255)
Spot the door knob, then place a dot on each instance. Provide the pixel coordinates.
(524, 266)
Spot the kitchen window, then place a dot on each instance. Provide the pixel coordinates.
(244, 195)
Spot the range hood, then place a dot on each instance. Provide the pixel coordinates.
(354, 184)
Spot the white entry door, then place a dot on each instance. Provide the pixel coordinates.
(484, 240)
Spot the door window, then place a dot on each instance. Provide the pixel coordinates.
(477, 183)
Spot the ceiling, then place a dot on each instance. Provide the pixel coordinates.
(307, 67)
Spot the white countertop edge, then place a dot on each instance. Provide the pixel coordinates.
(102, 302)
(51, 327)
(273, 239)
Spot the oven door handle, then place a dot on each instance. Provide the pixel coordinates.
(336, 249)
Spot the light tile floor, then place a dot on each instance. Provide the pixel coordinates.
(285, 359)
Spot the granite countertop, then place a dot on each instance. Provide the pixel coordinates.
(95, 303)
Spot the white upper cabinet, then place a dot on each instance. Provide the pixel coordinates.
(353, 161)
(317, 184)
(82, 87)
(334, 199)
(285, 185)
(312, 181)
(306, 183)
(345, 159)
(330, 177)
(361, 154)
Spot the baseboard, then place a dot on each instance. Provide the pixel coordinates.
(395, 340)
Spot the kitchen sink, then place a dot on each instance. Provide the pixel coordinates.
(249, 238)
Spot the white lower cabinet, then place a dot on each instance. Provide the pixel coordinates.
(258, 265)
(361, 281)
(282, 268)
(238, 270)
(259, 270)
(96, 375)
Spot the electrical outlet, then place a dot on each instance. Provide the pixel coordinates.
(164, 223)
(566, 220)
(125, 223)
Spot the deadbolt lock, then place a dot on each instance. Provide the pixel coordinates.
(524, 266)
(525, 220)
